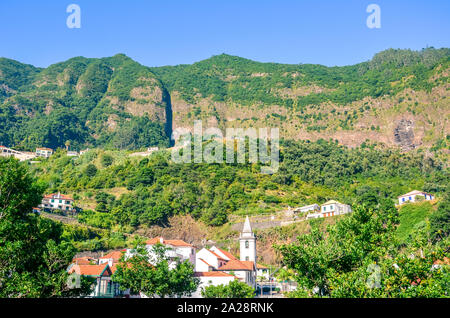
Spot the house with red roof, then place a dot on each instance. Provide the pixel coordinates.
(103, 286)
(57, 201)
(112, 258)
(213, 278)
(177, 250)
(44, 152)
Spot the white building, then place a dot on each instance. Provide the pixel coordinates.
(57, 201)
(20, 155)
(111, 258)
(44, 152)
(207, 260)
(331, 208)
(247, 241)
(413, 196)
(308, 208)
(214, 278)
(178, 250)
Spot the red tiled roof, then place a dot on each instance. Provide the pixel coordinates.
(205, 262)
(113, 268)
(43, 148)
(88, 270)
(218, 256)
(157, 240)
(259, 266)
(115, 255)
(227, 254)
(238, 265)
(61, 196)
(212, 274)
(83, 260)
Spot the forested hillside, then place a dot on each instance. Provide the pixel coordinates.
(129, 193)
(112, 102)
(399, 98)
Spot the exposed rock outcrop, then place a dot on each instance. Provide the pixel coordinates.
(404, 134)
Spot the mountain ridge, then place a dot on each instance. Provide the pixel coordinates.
(116, 102)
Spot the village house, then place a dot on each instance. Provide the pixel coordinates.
(262, 272)
(414, 196)
(85, 260)
(178, 250)
(111, 258)
(103, 286)
(20, 155)
(57, 201)
(331, 208)
(214, 278)
(308, 208)
(44, 152)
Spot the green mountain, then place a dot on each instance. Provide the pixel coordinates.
(399, 98)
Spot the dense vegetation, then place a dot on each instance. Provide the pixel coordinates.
(33, 253)
(230, 78)
(155, 274)
(235, 289)
(360, 256)
(72, 101)
(150, 190)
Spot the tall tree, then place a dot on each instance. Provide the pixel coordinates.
(33, 256)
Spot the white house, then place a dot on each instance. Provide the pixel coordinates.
(20, 155)
(331, 208)
(111, 258)
(215, 278)
(413, 196)
(44, 152)
(208, 260)
(103, 286)
(57, 201)
(178, 250)
(307, 208)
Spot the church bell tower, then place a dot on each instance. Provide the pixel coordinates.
(247, 242)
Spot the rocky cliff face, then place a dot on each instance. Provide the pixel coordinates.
(404, 134)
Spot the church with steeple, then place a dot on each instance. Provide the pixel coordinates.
(247, 242)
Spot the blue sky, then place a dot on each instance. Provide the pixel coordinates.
(170, 32)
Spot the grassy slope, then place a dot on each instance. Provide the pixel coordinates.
(412, 217)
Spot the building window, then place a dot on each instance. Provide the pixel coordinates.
(246, 244)
(247, 258)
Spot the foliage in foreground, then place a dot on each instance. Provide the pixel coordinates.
(359, 257)
(33, 255)
(154, 274)
(235, 289)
